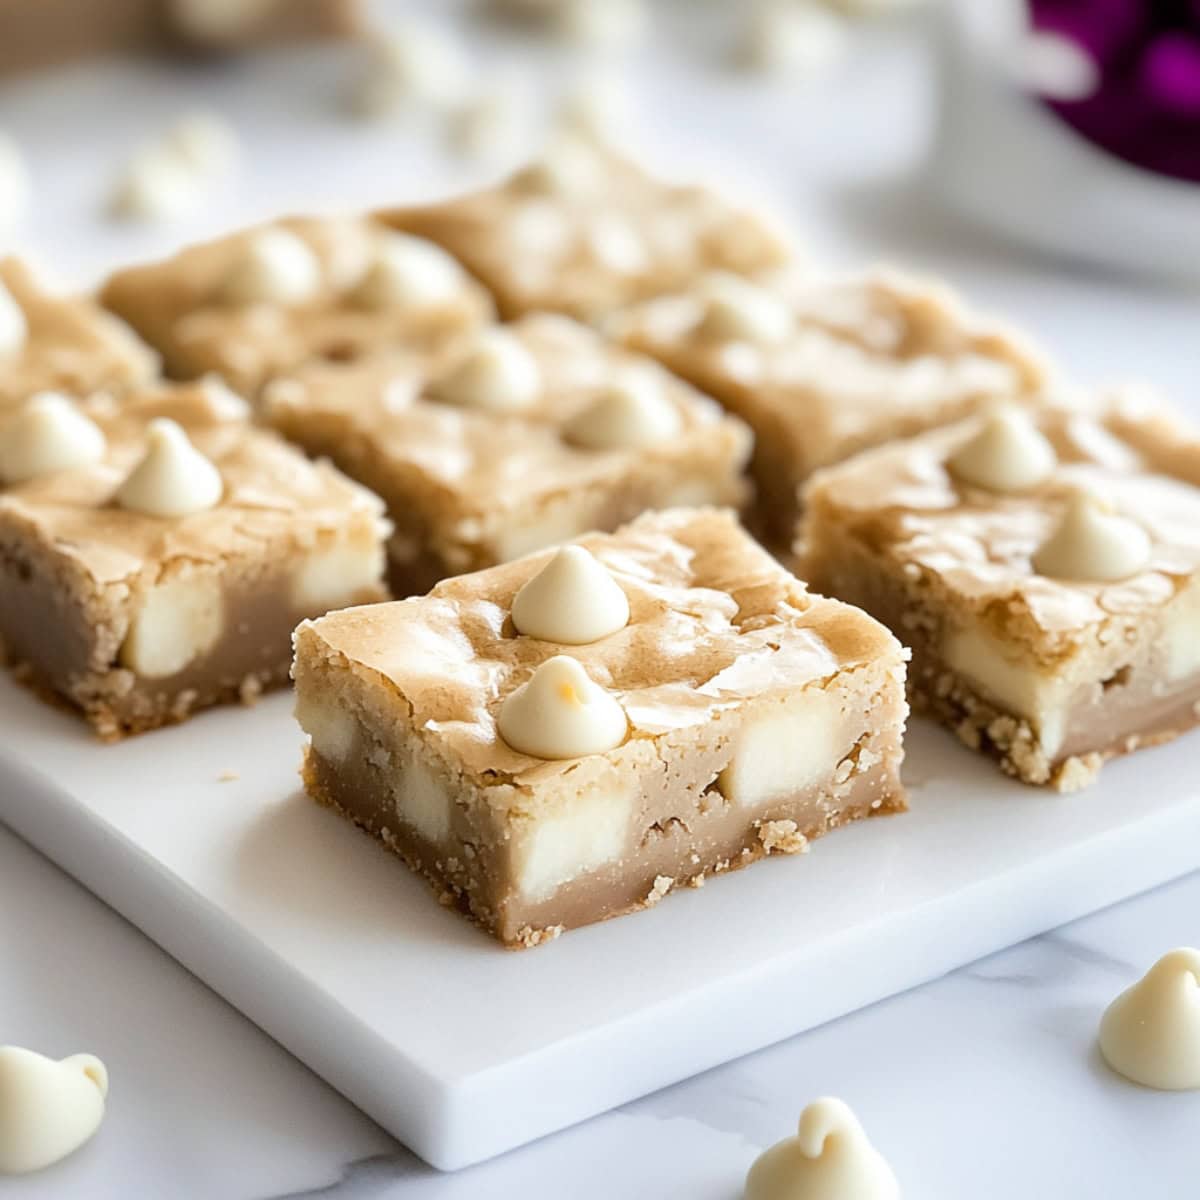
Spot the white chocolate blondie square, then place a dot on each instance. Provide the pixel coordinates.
(262, 301)
(157, 551)
(821, 366)
(1043, 568)
(53, 342)
(515, 438)
(585, 232)
(569, 737)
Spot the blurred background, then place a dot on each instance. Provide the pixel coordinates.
(1024, 155)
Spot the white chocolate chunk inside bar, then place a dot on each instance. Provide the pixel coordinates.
(821, 366)
(758, 717)
(1052, 673)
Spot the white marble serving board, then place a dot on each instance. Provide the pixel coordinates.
(464, 1050)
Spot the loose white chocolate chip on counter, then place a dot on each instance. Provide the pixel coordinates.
(276, 267)
(155, 185)
(632, 411)
(48, 434)
(1008, 454)
(1151, 1032)
(795, 37)
(206, 142)
(48, 1109)
(16, 187)
(493, 372)
(736, 310)
(408, 272)
(173, 478)
(573, 599)
(830, 1158)
(418, 67)
(561, 713)
(488, 125)
(597, 110)
(1092, 544)
(14, 328)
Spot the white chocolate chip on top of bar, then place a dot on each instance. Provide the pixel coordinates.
(275, 267)
(630, 412)
(408, 272)
(561, 713)
(14, 329)
(493, 372)
(48, 1108)
(1092, 544)
(48, 434)
(173, 479)
(1151, 1032)
(567, 167)
(573, 599)
(1008, 454)
(829, 1158)
(736, 310)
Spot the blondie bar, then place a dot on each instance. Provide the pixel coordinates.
(821, 366)
(517, 437)
(569, 737)
(1044, 570)
(156, 552)
(584, 231)
(264, 300)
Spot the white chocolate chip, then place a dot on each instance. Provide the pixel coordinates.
(830, 1158)
(597, 110)
(14, 328)
(206, 142)
(736, 310)
(156, 185)
(615, 244)
(567, 167)
(493, 372)
(601, 24)
(337, 575)
(48, 434)
(1092, 544)
(1151, 1032)
(632, 411)
(487, 126)
(176, 622)
(1008, 454)
(16, 186)
(173, 478)
(793, 37)
(561, 713)
(48, 1109)
(419, 66)
(573, 599)
(275, 267)
(408, 272)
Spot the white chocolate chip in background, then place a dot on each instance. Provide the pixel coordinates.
(276, 267)
(738, 310)
(573, 599)
(491, 371)
(48, 1108)
(408, 272)
(630, 412)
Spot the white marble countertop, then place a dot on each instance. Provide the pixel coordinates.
(983, 1084)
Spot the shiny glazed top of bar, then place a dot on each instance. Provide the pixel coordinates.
(72, 346)
(714, 621)
(177, 305)
(866, 348)
(619, 239)
(903, 501)
(476, 462)
(270, 489)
